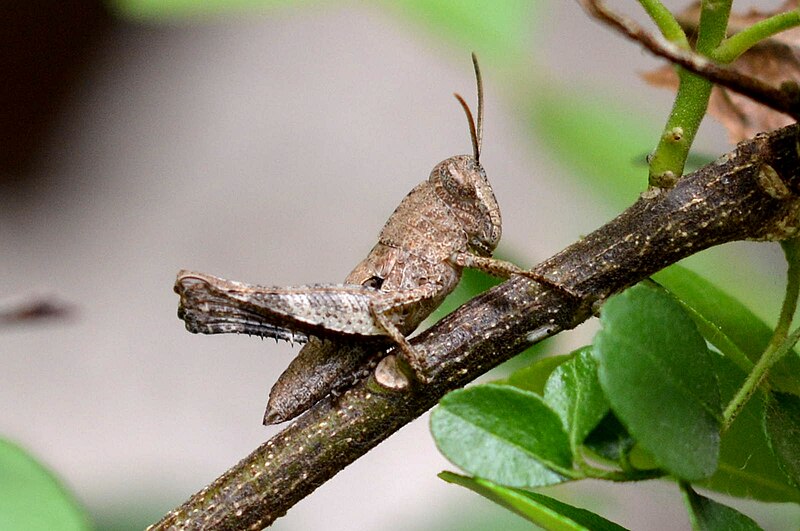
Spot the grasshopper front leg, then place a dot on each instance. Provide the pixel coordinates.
(504, 269)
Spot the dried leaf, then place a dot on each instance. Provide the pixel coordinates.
(774, 61)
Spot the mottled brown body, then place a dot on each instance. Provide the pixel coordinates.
(448, 222)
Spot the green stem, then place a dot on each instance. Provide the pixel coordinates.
(713, 25)
(666, 22)
(780, 343)
(791, 250)
(755, 378)
(691, 102)
(689, 496)
(734, 46)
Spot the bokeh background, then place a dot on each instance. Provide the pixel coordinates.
(268, 141)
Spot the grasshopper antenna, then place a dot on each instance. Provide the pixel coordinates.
(475, 130)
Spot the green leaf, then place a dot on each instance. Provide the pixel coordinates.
(658, 376)
(728, 325)
(501, 433)
(610, 139)
(542, 510)
(782, 426)
(500, 32)
(708, 515)
(747, 468)
(533, 377)
(31, 498)
(574, 392)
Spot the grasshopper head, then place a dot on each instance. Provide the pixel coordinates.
(461, 183)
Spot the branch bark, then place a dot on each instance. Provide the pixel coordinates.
(752, 192)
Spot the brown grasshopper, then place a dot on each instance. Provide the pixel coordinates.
(446, 223)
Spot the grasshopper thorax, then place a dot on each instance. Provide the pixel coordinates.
(461, 183)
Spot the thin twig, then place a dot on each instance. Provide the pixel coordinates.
(785, 101)
(750, 193)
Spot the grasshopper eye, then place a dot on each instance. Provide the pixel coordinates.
(374, 282)
(453, 181)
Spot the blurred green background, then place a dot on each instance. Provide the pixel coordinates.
(268, 141)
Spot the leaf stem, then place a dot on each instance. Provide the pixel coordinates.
(666, 22)
(619, 471)
(735, 45)
(780, 343)
(791, 250)
(622, 475)
(689, 495)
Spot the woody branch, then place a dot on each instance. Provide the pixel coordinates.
(752, 192)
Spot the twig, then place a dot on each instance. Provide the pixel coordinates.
(785, 101)
(750, 193)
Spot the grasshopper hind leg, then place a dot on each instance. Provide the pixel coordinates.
(321, 367)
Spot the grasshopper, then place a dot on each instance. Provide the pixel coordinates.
(446, 223)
